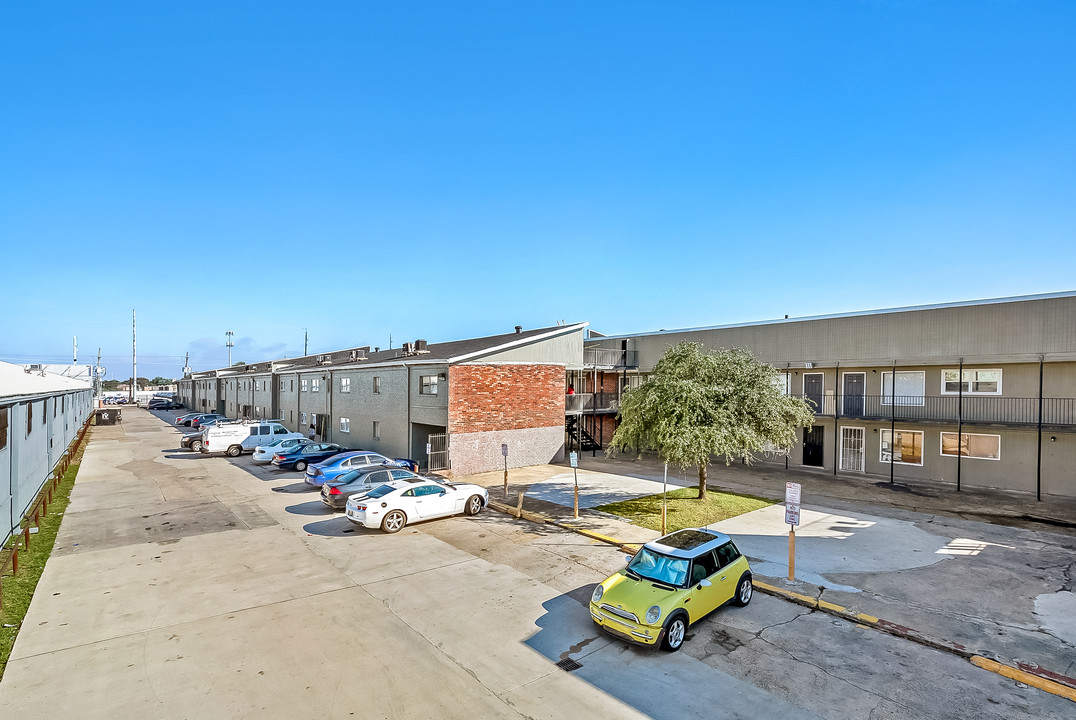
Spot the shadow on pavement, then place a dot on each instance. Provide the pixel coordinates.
(314, 507)
(298, 487)
(337, 527)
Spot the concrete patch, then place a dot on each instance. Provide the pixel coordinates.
(831, 542)
(1057, 613)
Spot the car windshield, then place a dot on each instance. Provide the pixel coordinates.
(348, 476)
(655, 566)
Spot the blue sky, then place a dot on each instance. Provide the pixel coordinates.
(452, 169)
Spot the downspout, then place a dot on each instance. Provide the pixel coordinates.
(892, 419)
(836, 416)
(1038, 461)
(330, 401)
(959, 421)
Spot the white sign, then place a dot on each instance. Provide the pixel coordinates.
(792, 514)
(792, 493)
(573, 458)
(504, 449)
(429, 448)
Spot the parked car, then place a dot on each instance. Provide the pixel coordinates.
(201, 419)
(161, 403)
(192, 441)
(669, 584)
(264, 453)
(319, 473)
(356, 482)
(236, 438)
(391, 506)
(300, 457)
(188, 418)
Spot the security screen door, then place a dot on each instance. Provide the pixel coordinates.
(852, 449)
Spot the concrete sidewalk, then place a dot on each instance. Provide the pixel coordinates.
(969, 587)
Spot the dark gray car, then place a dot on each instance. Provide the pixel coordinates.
(336, 492)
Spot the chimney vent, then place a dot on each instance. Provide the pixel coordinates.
(519, 329)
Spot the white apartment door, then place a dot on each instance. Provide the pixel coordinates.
(852, 449)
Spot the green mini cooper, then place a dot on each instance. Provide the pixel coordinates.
(669, 584)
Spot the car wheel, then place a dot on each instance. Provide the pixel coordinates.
(474, 505)
(394, 522)
(235, 451)
(196, 445)
(300, 465)
(744, 591)
(674, 634)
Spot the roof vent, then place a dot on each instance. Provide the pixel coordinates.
(408, 348)
(519, 329)
(420, 346)
(377, 349)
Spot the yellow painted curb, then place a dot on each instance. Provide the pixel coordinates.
(1027, 678)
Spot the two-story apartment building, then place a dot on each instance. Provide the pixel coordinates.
(976, 393)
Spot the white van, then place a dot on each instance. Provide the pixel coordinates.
(235, 438)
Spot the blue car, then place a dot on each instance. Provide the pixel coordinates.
(301, 457)
(317, 474)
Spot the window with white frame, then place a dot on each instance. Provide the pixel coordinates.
(907, 450)
(973, 382)
(971, 445)
(315, 385)
(281, 384)
(783, 381)
(345, 385)
(345, 424)
(911, 387)
(428, 385)
(377, 430)
(303, 385)
(377, 385)
(302, 418)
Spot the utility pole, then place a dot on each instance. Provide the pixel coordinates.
(74, 354)
(134, 357)
(306, 337)
(186, 364)
(229, 344)
(97, 376)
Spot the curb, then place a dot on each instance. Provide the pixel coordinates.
(1063, 686)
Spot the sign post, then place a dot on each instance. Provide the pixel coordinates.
(504, 451)
(664, 509)
(573, 458)
(792, 517)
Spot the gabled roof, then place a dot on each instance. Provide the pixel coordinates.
(446, 352)
(16, 382)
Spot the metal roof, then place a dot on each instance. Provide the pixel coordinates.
(858, 313)
(16, 382)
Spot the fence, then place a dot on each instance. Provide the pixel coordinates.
(948, 408)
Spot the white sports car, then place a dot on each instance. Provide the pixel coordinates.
(393, 505)
(264, 453)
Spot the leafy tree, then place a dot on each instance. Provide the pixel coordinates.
(697, 404)
(110, 384)
(161, 381)
(237, 363)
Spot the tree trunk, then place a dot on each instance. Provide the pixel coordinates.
(702, 482)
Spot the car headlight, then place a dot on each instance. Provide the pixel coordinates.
(652, 615)
(598, 592)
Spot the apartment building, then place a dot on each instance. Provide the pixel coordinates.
(451, 406)
(978, 394)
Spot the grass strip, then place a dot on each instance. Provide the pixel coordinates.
(685, 509)
(18, 590)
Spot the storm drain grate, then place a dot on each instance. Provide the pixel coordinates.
(567, 665)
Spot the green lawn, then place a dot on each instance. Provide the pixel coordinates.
(684, 508)
(19, 590)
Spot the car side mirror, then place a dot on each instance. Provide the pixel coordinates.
(628, 558)
(705, 583)
(443, 493)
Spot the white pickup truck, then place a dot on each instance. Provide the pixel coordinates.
(236, 438)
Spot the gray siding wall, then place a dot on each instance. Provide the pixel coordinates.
(566, 349)
(429, 409)
(362, 406)
(979, 333)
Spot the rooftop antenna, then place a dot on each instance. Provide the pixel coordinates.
(74, 355)
(390, 341)
(186, 365)
(229, 344)
(306, 337)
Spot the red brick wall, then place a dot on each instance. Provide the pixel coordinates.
(483, 398)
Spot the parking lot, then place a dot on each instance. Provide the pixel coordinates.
(185, 585)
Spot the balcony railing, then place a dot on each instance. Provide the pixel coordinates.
(591, 403)
(948, 408)
(610, 357)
